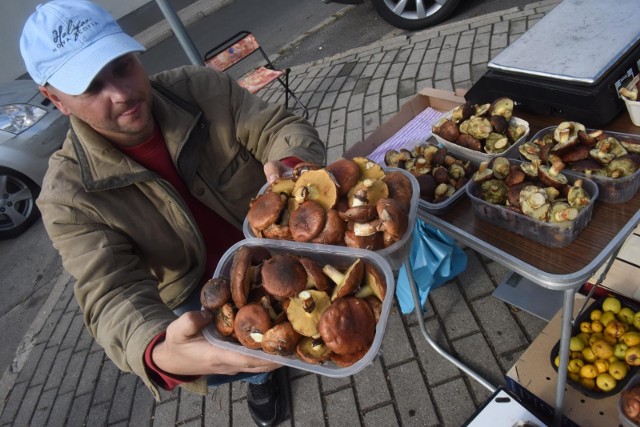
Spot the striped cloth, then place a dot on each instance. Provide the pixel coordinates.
(418, 130)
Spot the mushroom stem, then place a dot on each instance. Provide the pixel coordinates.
(256, 336)
(308, 303)
(333, 273)
(266, 303)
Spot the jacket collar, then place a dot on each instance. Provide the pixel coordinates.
(103, 166)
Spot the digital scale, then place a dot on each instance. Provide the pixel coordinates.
(569, 64)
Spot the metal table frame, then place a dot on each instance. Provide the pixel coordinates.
(567, 283)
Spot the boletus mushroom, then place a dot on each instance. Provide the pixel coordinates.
(348, 326)
(346, 173)
(346, 283)
(317, 185)
(244, 273)
(283, 276)
(304, 311)
(215, 293)
(312, 350)
(250, 324)
(281, 340)
(265, 210)
(333, 231)
(307, 221)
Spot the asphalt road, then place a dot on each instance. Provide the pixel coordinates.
(293, 31)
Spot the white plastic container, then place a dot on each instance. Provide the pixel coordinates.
(394, 254)
(339, 257)
(481, 156)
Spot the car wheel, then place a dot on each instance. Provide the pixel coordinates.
(18, 208)
(414, 14)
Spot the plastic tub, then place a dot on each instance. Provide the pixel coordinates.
(624, 420)
(552, 235)
(394, 254)
(480, 156)
(339, 257)
(612, 190)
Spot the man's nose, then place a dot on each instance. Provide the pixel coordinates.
(118, 90)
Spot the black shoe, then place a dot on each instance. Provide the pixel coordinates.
(266, 401)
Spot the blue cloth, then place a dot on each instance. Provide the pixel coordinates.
(192, 303)
(435, 258)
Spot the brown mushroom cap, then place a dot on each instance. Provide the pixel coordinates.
(372, 242)
(312, 350)
(362, 213)
(315, 277)
(394, 219)
(346, 360)
(346, 283)
(281, 339)
(333, 231)
(376, 306)
(346, 173)
(215, 293)
(250, 324)
(307, 221)
(283, 276)
(374, 284)
(348, 326)
(224, 319)
(400, 188)
(241, 275)
(265, 210)
(304, 311)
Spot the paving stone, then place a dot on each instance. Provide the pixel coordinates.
(331, 384)
(341, 406)
(60, 410)
(190, 406)
(73, 373)
(142, 411)
(415, 406)
(90, 373)
(499, 324)
(73, 333)
(453, 391)
(165, 413)
(106, 382)
(12, 404)
(453, 311)
(217, 404)
(27, 406)
(396, 347)
(474, 280)
(474, 351)
(436, 367)
(61, 329)
(31, 365)
(46, 402)
(123, 398)
(58, 369)
(307, 407)
(384, 416)
(388, 106)
(371, 385)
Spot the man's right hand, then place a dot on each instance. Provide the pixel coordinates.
(185, 351)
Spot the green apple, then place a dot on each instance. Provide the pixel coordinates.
(606, 382)
(576, 344)
(607, 317)
(626, 315)
(636, 320)
(619, 350)
(611, 304)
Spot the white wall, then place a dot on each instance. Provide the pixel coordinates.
(14, 13)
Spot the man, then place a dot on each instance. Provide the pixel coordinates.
(148, 191)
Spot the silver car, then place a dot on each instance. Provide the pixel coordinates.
(31, 129)
(410, 15)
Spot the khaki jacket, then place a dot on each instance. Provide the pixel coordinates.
(127, 236)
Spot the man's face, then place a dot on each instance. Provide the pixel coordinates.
(117, 103)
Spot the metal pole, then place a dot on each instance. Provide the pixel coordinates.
(180, 32)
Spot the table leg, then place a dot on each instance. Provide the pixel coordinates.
(565, 337)
(432, 343)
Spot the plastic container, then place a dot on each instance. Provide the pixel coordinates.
(612, 190)
(394, 254)
(624, 420)
(338, 256)
(586, 317)
(480, 156)
(633, 107)
(549, 234)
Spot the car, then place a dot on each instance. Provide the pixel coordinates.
(31, 129)
(410, 14)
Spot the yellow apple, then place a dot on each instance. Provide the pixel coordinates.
(619, 350)
(618, 369)
(601, 365)
(636, 320)
(588, 383)
(607, 317)
(626, 315)
(631, 338)
(606, 382)
(576, 344)
(632, 356)
(575, 365)
(596, 314)
(573, 376)
(585, 327)
(588, 371)
(588, 355)
(597, 326)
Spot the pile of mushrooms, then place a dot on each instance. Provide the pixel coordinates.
(439, 173)
(291, 305)
(487, 127)
(541, 192)
(590, 152)
(349, 202)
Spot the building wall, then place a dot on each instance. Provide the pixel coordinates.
(15, 13)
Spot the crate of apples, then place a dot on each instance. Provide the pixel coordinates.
(604, 350)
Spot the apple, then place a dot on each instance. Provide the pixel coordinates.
(597, 326)
(606, 382)
(607, 317)
(588, 355)
(636, 320)
(576, 344)
(601, 365)
(585, 327)
(588, 371)
(596, 314)
(619, 350)
(588, 383)
(611, 304)
(618, 369)
(575, 365)
(626, 315)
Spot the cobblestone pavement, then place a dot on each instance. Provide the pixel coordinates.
(62, 378)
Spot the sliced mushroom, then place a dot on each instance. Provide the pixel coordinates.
(348, 326)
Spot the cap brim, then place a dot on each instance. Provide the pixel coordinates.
(77, 73)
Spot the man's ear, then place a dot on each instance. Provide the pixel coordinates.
(55, 99)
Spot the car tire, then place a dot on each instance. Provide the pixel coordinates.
(408, 18)
(18, 208)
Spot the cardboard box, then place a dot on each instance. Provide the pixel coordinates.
(623, 277)
(533, 380)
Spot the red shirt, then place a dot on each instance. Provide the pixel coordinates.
(217, 233)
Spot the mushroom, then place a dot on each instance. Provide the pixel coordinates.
(575, 153)
(529, 150)
(484, 173)
(317, 185)
(265, 210)
(280, 229)
(396, 159)
(376, 306)
(566, 136)
(462, 112)
(243, 273)
(282, 186)
(551, 176)
(304, 167)
(534, 202)
(496, 143)
(346, 360)
(368, 191)
(502, 107)
(348, 282)
(620, 167)
(312, 350)
(393, 219)
(400, 188)
(360, 213)
(348, 326)
(499, 123)
(224, 318)
(281, 340)
(374, 284)
(315, 277)
(215, 293)
(577, 196)
(516, 176)
(494, 191)
(427, 187)
(368, 169)
(372, 242)
(307, 221)
(250, 324)
(346, 173)
(562, 212)
(501, 167)
(333, 231)
(283, 276)
(516, 131)
(448, 131)
(304, 311)
(469, 142)
(477, 127)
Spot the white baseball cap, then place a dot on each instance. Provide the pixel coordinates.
(67, 42)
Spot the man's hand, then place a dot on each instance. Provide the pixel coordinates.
(273, 170)
(185, 351)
